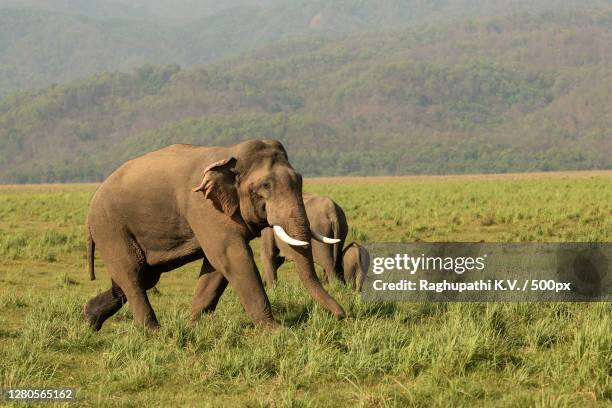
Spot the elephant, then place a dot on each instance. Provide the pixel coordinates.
(182, 203)
(326, 218)
(356, 260)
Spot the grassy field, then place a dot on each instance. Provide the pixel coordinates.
(425, 354)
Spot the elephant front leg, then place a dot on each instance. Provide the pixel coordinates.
(236, 264)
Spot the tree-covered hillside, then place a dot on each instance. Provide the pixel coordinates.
(163, 12)
(54, 41)
(529, 91)
(38, 48)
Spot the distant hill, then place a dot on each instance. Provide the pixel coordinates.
(38, 48)
(55, 41)
(163, 12)
(525, 92)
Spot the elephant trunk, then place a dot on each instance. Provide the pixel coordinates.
(305, 267)
(298, 227)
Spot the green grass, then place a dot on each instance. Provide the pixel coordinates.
(405, 354)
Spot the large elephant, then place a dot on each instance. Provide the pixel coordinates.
(326, 219)
(183, 203)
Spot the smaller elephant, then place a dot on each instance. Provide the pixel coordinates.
(326, 219)
(356, 261)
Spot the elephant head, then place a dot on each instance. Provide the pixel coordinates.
(256, 185)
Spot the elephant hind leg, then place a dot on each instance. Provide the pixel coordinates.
(209, 289)
(142, 310)
(98, 309)
(149, 278)
(271, 263)
(271, 258)
(278, 261)
(103, 306)
(271, 278)
(127, 267)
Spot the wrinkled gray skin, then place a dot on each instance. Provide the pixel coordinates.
(325, 217)
(146, 219)
(356, 260)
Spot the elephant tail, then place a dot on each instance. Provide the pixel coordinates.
(91, 248)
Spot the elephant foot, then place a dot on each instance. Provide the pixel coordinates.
(271, 325)
(101, 307)
(93, 321)
(152, 327)
(339, 314)
(195, 317)
(270, 284)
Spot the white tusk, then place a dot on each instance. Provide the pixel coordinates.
(324, 239)
(280, 232)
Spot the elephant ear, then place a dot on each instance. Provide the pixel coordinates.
(219, 185)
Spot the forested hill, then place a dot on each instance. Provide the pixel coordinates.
(55, 41)
(38, 48)
(524, 92)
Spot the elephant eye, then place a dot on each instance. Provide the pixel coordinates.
(265, 185)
